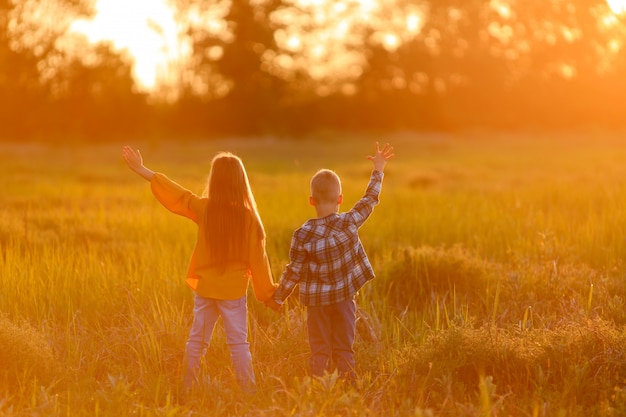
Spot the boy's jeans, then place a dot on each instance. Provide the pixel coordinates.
(206, 311)
(331, 337)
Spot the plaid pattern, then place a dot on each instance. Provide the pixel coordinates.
(326, 256)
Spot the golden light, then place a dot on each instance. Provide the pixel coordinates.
(391, 41)
(502, 8)
(413, 23)
(145, 28)
(617, 6)
(294, 43)
(149, 32)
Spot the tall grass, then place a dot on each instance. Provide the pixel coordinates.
(499, 290)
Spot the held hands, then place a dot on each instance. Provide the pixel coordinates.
(272, 304)
(381, 156)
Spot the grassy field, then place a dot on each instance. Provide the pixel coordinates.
(500, 286)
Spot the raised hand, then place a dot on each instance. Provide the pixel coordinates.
(381, 156)
(135, 162)
(133, 158)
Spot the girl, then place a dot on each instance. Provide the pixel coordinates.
(229, 250)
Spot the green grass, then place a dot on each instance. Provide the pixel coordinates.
(499, 291)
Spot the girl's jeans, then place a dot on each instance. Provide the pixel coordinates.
(206, 311)
(331, 336)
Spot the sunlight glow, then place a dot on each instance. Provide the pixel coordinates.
(145, 28)
(148, 31)
(391, 41)
(503, 9)
(568, 71)
(617, 6)
(294, 43)
(413, 23)
(328, 35)
(609, 20)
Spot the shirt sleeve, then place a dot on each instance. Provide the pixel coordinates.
(293, 271)
(364, 207)
(176, 198)
(262, 281)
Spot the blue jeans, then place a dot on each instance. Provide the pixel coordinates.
(331, 336)
(234, 315)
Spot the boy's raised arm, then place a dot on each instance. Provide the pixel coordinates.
(135, 163)
(381, 156)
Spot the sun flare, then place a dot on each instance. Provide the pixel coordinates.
(147, 29)
(617, 6)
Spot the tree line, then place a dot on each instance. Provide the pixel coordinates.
(501, 64)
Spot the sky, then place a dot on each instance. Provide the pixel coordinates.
(147, 29)
(618, 6)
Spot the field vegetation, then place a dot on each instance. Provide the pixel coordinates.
(500, 286)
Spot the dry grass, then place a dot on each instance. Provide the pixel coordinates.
(499, 289)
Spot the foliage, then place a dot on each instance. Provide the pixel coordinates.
(277, 67)
(25, 354)
(54, 84)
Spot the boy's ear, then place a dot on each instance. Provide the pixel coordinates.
(311, 201)
(340, 199)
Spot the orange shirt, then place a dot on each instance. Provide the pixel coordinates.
(208, 281)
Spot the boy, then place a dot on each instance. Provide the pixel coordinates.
(327, 259)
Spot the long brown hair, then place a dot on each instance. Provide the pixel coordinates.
(230, 202)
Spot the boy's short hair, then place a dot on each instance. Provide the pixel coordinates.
(325, 186)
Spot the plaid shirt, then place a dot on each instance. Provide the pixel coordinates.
(326, 256)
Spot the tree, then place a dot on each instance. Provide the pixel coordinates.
(95, 98)
(503, 64)
(57, 85)
(19, 79)
(245, 98)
